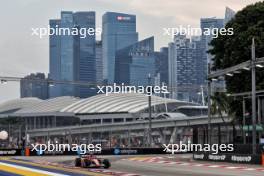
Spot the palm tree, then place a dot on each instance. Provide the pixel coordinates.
(220, 107)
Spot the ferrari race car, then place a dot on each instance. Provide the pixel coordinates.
(86, 161)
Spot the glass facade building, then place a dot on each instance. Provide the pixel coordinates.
(72, 57)
(184, 68)
(206, 39)
(205, 46)
(67, 54)
(34, 85)
(162, 65)
(85, 70)
(135, 62)
(119, 31)
(140, 68)
(54, 59)
(99, 62)
(229, 14)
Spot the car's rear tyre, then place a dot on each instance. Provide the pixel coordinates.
(106, 163)
(85, 163)
(77, 162)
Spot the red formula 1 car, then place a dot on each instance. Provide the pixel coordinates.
(86, 161)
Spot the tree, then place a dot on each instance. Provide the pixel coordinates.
(220, 107)
(232, 50)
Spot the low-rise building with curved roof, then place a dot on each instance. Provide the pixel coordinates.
(62, 111)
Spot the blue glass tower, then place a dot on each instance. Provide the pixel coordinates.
(229, 14)
(119, 31)
(206, 39)
(205, 46)
(55, 59)
(67, 54)
(85, 69)
(135, 62)
(162, 65)
(72, 57)
(99, 62)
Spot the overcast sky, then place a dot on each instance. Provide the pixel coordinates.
(21, 53)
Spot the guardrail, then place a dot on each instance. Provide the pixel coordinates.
(136, 125)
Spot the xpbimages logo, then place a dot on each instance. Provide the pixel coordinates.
(148, 90)
(60, 148)
(65, 31)
(189, 147)
(194, 31)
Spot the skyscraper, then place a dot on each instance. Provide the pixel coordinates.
(67, 55)
(135, 62)
(54, 59)
(205, 46)
(183, 69)
(229, 14)
(119, 31)
(85, 54)
(162, 65)
(72, 57)
(142, 63)
(206, 39)
(34, 85)
(99, 62)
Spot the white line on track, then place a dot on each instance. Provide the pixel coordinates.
(214, 166)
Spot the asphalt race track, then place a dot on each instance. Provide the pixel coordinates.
(151, 165)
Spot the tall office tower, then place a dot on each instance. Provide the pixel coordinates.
(162, 66)
(72, 57)
(99, 62)
(142, 63)
(54, 60)
(34, 85)
(201, 64)
(205, 46)
(135, 62)
(67, 55)
(84, 54)
(206, 39)
(229, 14)
(119, 31)
(183, 68)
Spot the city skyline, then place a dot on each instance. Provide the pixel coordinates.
(132, 87)
(33, 56)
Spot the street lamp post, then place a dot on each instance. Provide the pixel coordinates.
(149, 109)
(253, 74)
(244, 120)
(209, 106)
